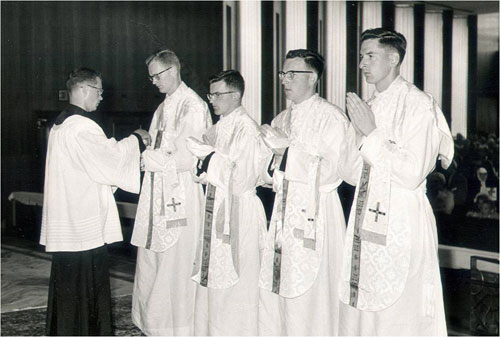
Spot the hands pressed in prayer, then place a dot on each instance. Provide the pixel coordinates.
(362, 117)
(146, 138)
(275, 139)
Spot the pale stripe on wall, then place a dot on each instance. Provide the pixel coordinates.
(433, 55)
(459, 75)
(250, 53)
(404, 24)
(335, 70)
(371, 18)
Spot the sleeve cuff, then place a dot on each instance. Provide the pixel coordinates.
(283, 161)
(142, 146)
(203, 164)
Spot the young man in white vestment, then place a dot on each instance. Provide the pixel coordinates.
(169, 214)
(390, 276)
(302, 250)
(227, 262)
(80, 216)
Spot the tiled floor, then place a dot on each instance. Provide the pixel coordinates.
(25, 276)
(25, 279)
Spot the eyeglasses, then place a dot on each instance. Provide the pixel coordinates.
(289, 75)
(157, 75)
(215, 95)
(100, 90)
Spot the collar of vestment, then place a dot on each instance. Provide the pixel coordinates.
(234, 114)
(297, 114)
(178, 92)
(73, 110)
(398, 81)
(304, 104)
(225, 126)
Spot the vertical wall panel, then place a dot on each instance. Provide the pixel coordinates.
(404, 24)
(250, 56)
(336, 52)
(296, 25)
(433, 59)
(459, 76)
(371, 18)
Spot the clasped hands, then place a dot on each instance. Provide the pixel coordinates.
(275, 139)
(360, 114)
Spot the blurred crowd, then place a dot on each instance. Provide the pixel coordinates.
(470, 186)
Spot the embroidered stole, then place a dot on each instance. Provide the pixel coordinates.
(158, 139)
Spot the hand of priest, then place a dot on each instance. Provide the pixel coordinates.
(146, 138)
(362, 117)
(274, 138)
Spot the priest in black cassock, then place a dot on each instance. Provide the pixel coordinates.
(80, 216)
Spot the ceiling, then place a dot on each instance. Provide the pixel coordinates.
(468, 7)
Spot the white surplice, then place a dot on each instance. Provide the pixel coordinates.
(166, 225)
(299, 297)
(228, 259)
(83, 169)
(390, 277)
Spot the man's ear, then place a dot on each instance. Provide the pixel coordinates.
(394, 59)
(313, 78)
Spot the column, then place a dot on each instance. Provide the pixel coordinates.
(335, 70)
(371, 18)
(459, 75)
(404, 24)
(433, 55)
(229, 44)
(296, 25)
(250, 56)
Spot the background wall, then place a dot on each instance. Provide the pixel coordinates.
(43, 41)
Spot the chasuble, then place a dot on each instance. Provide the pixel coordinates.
(227, 262)
(169, 217)
(390, 276)
(302, 249)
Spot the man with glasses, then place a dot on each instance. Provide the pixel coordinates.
(390, 278)
(302, 252)
(227, 264)
(169, 215)
(80, 216)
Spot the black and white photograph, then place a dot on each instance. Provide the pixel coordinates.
(250, 168)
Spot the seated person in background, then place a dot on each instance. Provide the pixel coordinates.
(485, 208)
(483, 184)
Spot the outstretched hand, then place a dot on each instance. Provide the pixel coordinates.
(362, 117)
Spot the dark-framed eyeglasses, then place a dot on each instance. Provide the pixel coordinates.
(157, 75)
(289, 75)
(100, 90)
(214, 95)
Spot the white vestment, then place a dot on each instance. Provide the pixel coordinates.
(83, 169)
(302, 250)
(390, 276)
(228, 263)
(167, 223)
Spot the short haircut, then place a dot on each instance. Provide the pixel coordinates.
(81, 75)
(165, 56)
(310, 57)
(232, 78)
(387, 37)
